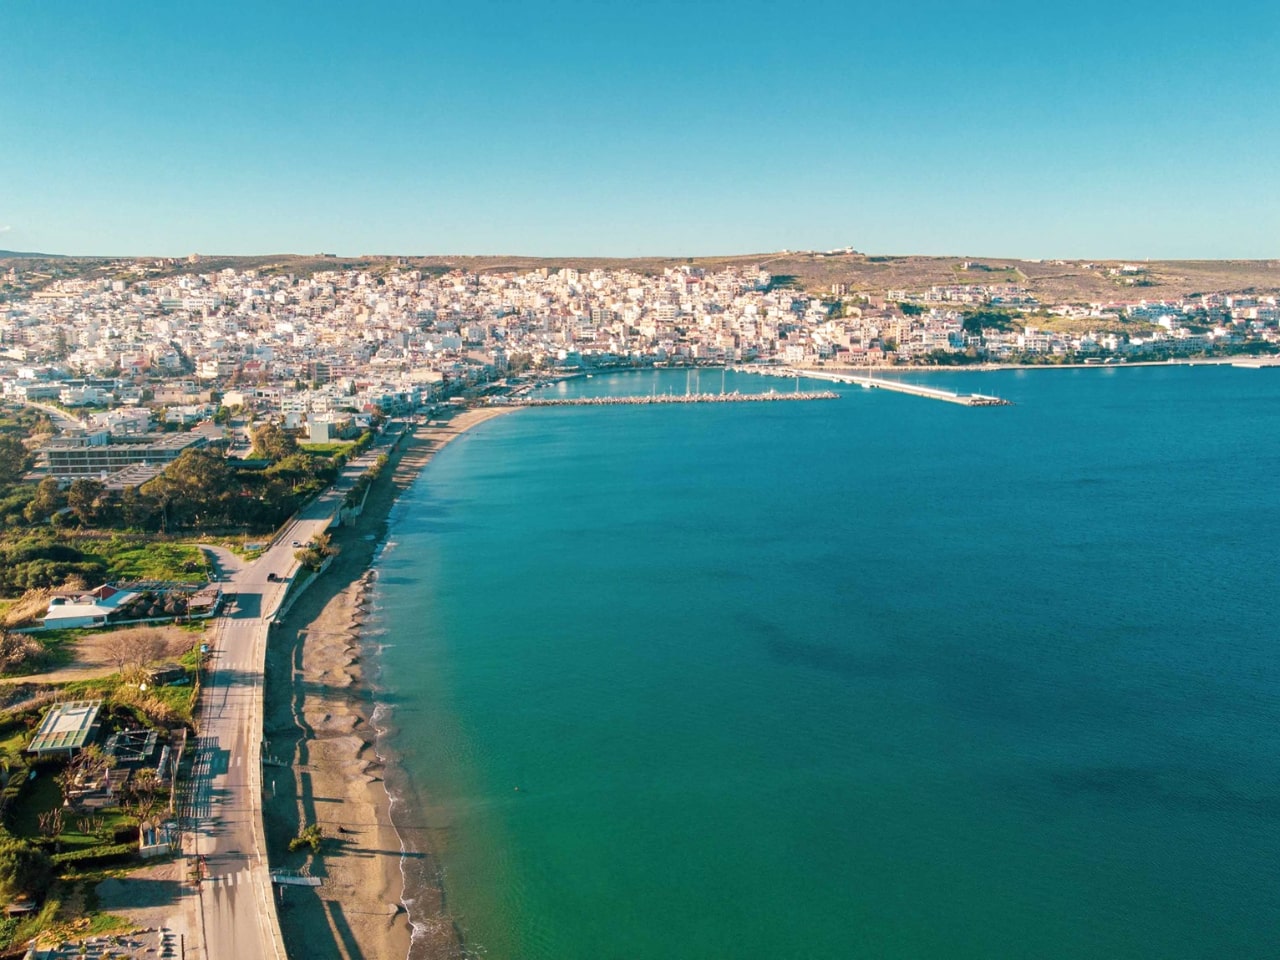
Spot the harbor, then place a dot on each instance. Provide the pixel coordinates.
(880, 383)
(665, 398)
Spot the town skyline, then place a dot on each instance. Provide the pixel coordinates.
(319, 344)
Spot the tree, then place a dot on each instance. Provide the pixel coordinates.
(23, 869)
(119, 649)
(87, 767)
(272, 442)
(309, 836)
(316, 552)
(150, 647)
(195, 490)
(127, 648)
(143, 787)
(979, 320)
(50, 823)
(84, 497)
(135, 510)
(15, 460)
(47, 501)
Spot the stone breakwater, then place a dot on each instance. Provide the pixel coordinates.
(670, 398)
(880, 383)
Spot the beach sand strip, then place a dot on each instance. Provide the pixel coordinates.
(323, 764)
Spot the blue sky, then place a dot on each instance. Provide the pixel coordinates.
(1090, 129)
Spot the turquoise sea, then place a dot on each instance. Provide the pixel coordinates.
(875, 677)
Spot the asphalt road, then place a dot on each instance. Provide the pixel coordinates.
(237, 915)
(64, 421)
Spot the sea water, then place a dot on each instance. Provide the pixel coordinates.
(874, 677)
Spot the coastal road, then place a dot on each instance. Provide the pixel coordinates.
(225, 828)
(237, 917)
(64, 421)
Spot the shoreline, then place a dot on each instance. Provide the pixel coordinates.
(321, 727)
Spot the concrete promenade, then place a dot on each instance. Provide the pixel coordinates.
(880, 383)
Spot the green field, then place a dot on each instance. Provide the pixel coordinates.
(1080, 325)
(331, 449)
(14, 742)
(143, 560)
(43, 794)
(976, 276)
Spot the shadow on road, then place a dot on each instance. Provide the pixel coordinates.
(248, 606)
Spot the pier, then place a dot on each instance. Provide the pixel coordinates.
(878, 383)
(1257, 363)
(670, 398)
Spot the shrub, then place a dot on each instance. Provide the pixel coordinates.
(23, 869)
(29, 608)
(17, 649)
(96, 856)
(308, 836)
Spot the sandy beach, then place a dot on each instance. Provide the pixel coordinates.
(319, 705)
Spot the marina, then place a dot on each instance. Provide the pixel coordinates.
(670, 398)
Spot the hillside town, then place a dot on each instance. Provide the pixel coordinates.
(152, 350)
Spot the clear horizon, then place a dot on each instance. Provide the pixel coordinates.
(1130, 131)
(968, 254)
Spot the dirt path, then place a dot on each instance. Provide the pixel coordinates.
(99, 654)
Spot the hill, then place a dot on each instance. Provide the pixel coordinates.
(1050, 281)
(20, 255)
